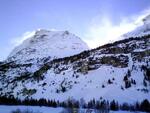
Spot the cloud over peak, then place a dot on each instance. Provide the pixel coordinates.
(103, 30)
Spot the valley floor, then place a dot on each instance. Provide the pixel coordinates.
(38, 109)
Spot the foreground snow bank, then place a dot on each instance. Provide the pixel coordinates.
(8, 109)
(38, 109)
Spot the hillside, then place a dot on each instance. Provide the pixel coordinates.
(117, 71)
(49, 65)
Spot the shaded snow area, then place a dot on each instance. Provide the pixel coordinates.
(37, 109)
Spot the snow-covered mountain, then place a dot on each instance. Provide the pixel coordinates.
(142, 30)
(46, 43)
(119, 71)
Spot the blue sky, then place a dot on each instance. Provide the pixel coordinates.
(92, 20)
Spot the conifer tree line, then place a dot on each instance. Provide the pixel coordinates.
(92, 104)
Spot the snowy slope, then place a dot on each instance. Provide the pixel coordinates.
(142, 30)
(97, 73)
(45, 43)
(36, 109)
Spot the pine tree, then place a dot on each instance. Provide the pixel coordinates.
(114, 105)
(145, 106)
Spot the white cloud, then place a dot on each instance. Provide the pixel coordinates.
(13, 43)
(19, 40)
(102, 30)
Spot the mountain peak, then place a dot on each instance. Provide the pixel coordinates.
(41, 31)
(46, 31)
(48, 43)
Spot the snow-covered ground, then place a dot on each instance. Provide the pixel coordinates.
(125, 112)
(37, 109)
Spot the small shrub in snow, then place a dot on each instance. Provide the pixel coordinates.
(16, 111)
(103, 86)
(70, 110)
(113, 78)
(109, 81)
